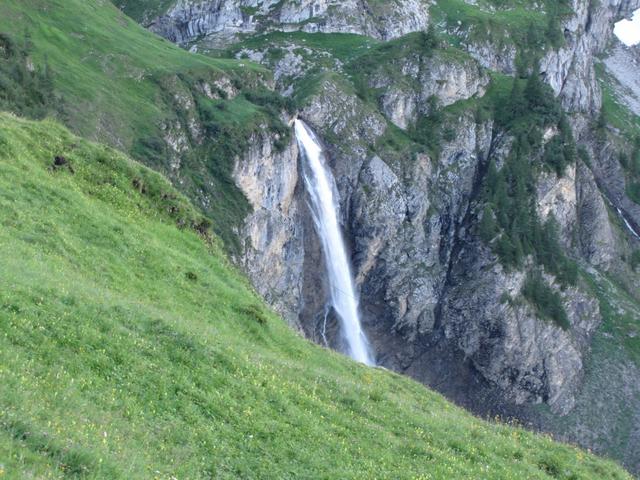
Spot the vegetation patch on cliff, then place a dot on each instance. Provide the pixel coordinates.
(510, 220)
(25, 88)
(525, 25)
(546, 300)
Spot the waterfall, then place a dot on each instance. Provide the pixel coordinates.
(626, 222)
(324, 207)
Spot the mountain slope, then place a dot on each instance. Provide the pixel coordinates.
(183, 114)
(130, 348)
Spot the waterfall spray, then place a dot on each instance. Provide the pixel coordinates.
(324, 206)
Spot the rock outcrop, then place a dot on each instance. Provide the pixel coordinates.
(222, 20)
(273, 240)
(528, 359)
(417, 78)
(570, 70)
(623, 64)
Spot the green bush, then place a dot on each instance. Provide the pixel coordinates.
(583, 154)
(634, 163)
(25, 89)
(561, 150)
(428, 128)
(270, 99)
(549, 253)
(635, 260)
(547, 302)
(429, 41)
(633, 191)
(488, 227)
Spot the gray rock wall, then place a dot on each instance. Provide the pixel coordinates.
(222, 20)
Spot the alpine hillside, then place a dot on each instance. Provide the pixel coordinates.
(486, 157)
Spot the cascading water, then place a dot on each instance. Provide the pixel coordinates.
(324, 206)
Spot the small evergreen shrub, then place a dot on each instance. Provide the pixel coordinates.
(635, 260)
(633, 191)
(546, 301)
(26, 89)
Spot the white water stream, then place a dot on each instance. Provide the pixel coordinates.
(322, 190)
(628, 225)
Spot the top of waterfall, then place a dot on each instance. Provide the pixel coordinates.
(304, 133)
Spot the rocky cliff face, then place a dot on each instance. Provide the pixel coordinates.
(273, 240)
(418, 78)
(424, 277)
(222, 20)
(570, 71)
(622, 67)
(404, 222)
(623, 64)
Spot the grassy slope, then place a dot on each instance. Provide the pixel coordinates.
(507, 24)
(131, 349)
(124, 86)
(343, 46)
(106, 64)
(617, 115)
